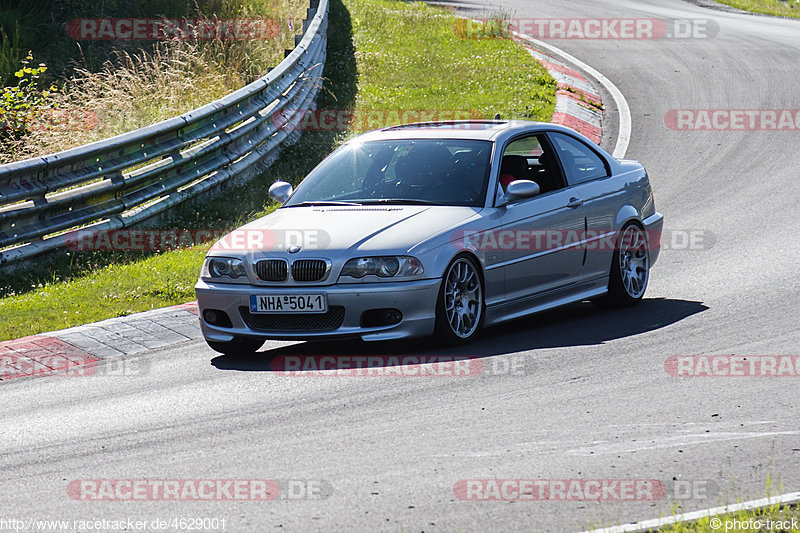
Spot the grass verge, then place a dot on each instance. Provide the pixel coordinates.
(787, 8)
(116, 289)
(382, 55)
(775, 519)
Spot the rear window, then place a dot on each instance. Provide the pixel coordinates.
(581, 163)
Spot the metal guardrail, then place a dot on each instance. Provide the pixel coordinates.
(127, 179)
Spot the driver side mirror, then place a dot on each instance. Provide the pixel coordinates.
(519, 189)
(280, 191)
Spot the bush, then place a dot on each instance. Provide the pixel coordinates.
(23, 106)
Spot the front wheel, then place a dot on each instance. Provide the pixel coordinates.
(460, 307)
(238, 346)
(630, 268)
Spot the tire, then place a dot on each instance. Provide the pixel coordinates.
(238, 346)
(630, 268)
(461, 307)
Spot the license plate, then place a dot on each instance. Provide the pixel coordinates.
(288, 303)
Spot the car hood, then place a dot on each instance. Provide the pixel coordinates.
(384, 229)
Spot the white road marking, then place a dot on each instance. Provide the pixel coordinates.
(624, 136)
(655, 523)
(678, 440)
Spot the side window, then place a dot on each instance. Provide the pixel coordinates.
(531, 158)
(526, 146)
(580, 162)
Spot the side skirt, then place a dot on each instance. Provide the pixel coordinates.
(502, 312)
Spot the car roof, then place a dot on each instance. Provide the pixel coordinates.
(487, 130)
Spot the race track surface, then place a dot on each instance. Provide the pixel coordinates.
(589, 397)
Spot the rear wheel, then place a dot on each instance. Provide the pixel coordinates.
(630, 268)
(238, 346)
(460, 307)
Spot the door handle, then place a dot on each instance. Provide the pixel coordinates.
(575, 202)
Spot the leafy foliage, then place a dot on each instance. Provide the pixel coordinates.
(22, 105)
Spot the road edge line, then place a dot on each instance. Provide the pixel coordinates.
(625, 122)
(652, 524)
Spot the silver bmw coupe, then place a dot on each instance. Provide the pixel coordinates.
(434, 229)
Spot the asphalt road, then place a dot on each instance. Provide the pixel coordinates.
(589, 398)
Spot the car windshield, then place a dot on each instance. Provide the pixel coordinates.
(407, 171)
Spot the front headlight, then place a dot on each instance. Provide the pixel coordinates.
(383, 267)
(223, 269)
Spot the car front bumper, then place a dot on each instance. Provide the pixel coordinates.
(416, 300)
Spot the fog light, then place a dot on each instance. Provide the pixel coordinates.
(392, 316)
(215, 317)
(374, 318)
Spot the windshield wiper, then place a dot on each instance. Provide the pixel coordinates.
(323, 202)
(399, 201)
